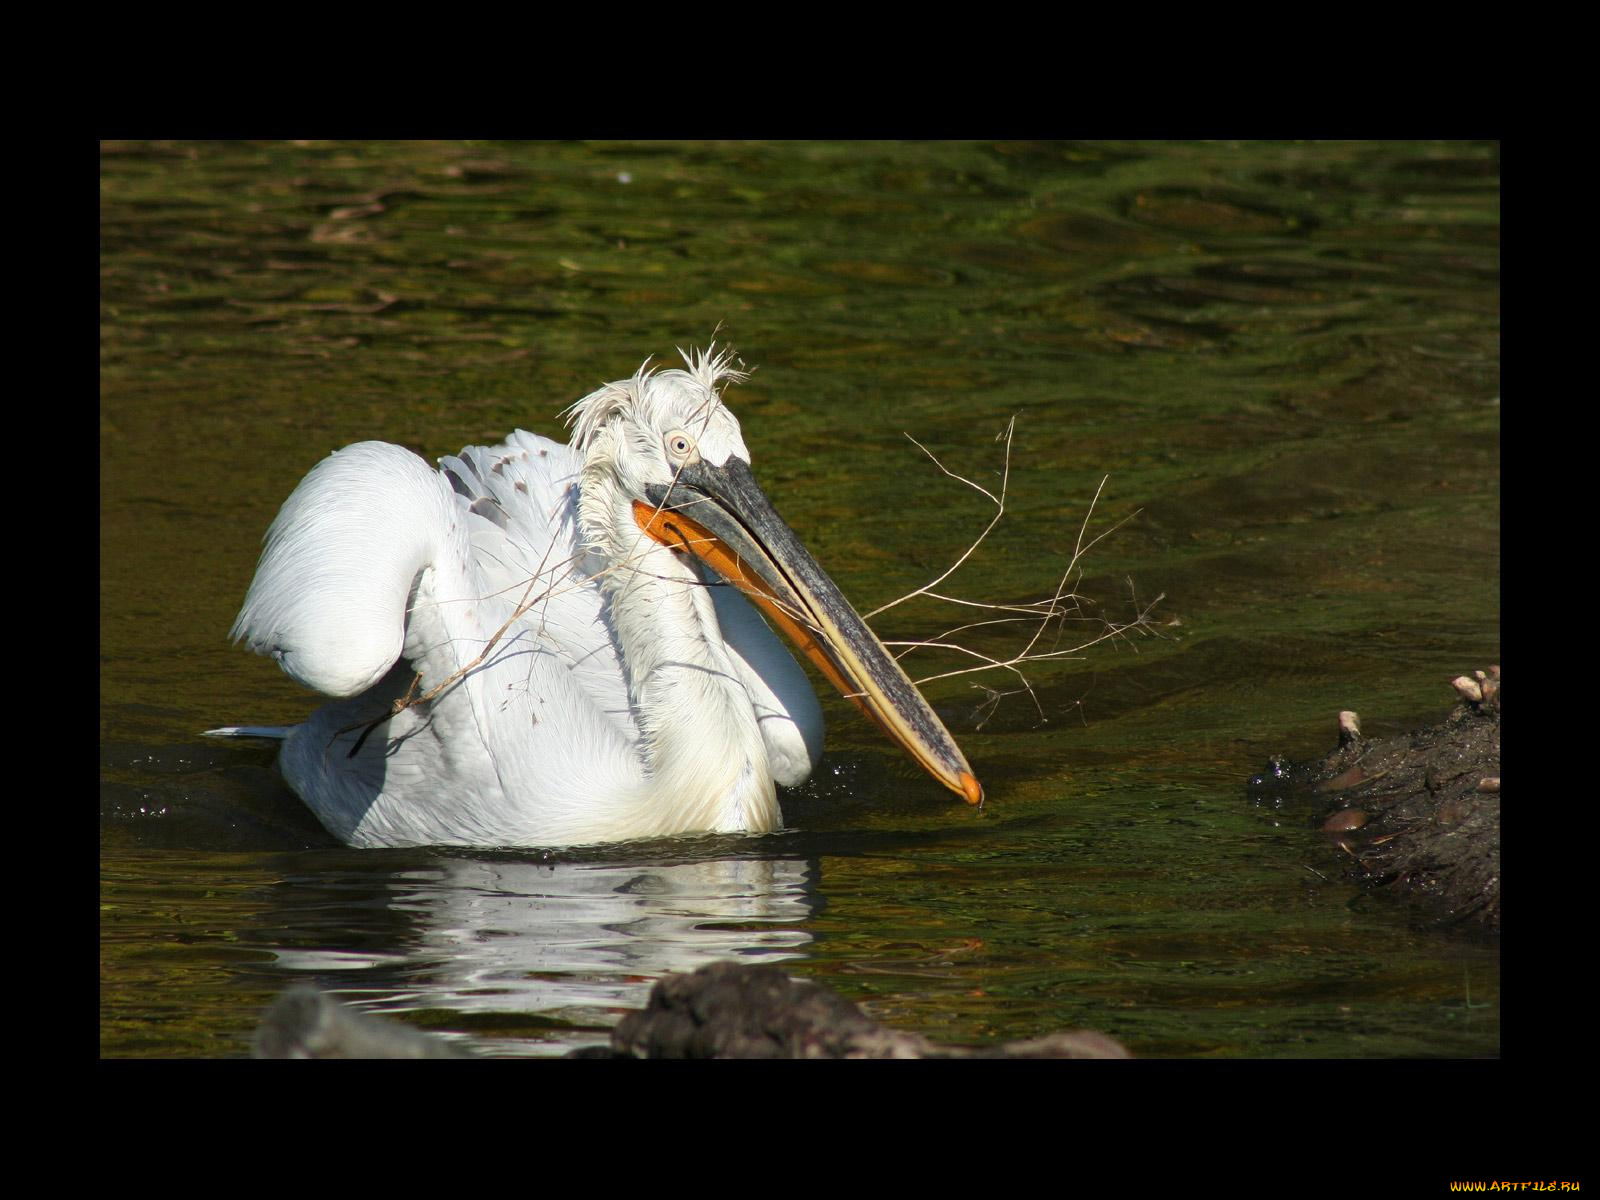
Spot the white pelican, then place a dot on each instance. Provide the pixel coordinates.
(535, 644)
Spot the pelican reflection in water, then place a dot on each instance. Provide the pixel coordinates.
(573, 939)
(545, 645)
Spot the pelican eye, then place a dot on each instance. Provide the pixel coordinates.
(680, 446)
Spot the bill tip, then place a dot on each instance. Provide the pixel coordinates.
(971, 788)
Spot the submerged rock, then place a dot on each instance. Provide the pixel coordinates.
(306, 1023)
(1417, 814)
(725, 1010)
(730, 1011)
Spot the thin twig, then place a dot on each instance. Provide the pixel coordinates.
(999, 511)
(1062, 605)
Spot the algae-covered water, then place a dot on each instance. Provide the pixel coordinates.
(1284, 356)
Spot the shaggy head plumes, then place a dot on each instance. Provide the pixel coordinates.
(658, 399)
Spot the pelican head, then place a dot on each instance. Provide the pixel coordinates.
(665, 460)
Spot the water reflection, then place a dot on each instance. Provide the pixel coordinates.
(567, 940)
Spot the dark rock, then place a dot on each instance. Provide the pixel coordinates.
(1417, 814)
(730, 1011)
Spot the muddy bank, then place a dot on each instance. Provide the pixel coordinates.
(1416, 815)
(724, 1010)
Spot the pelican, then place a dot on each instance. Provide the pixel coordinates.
(549, 645)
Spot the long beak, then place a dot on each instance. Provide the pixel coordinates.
(722, 517)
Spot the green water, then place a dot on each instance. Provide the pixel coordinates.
(1284, 356)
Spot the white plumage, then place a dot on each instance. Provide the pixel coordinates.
(571, 678)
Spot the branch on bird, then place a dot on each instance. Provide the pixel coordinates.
(1046, 621)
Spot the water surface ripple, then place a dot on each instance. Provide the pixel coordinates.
(1285, 357)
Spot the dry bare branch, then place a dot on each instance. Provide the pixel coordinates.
(1053, 612)
(999, 511)
(1046, 618)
